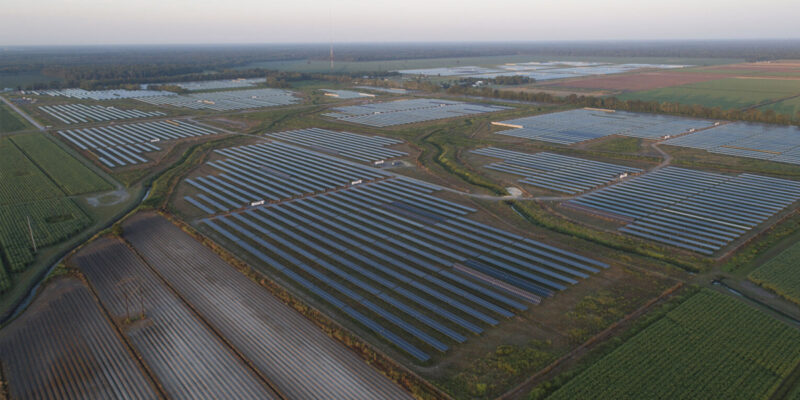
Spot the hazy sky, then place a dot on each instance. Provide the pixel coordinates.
(33, 22)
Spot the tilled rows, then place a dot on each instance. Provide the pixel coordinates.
(188, 360)
(64, 348)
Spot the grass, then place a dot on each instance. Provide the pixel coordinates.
(788, 107)
(70, 174)
(10, 121)
(781, 274)
(729, 93)
(20, 179)
(711, 346)
(626, 145)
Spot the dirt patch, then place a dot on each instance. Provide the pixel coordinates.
(641, 81)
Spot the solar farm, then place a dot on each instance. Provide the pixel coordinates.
(124, 145)
(764, 142)
(690, 209)
(410, 267)
(346, 94)
(384, 89)
(554, 171)
(81, 113)
(402, 112)
(344, 144)
(218, 84)
(113, 94)
(227, 100)
(574, 126)
(540, 71)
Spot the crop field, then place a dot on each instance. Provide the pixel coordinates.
(764, 142)
(63, 347)
(228, 100)
(272, 172)
(298, 358)
(346, 94)
(68, 173)
(175, 345)
(81, 113)
(694, 210)
(731, 93)
(574, 126)
(344, 144)
(711, 346)
(402, 112)
(32, 204)
(781, 274)
(122, 145)
(112, 94)
(786, 107)
(408, 266)
(639, 81)
(9, 121)
(555, 172)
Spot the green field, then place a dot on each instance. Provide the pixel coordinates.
(72, 176)
(788, 107)
(711, 346)
(31, 193)
(9, 120)
(781, 274)
(729, 93)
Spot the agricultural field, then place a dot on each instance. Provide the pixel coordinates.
(86, 358)
(10, 121)
(634, 82)
(730, 93)
(711, 346)
(781, 274)
(289, 350)
(786, 107)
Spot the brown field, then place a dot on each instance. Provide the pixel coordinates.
(777, 67)
(640, 81)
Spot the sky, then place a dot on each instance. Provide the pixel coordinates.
(84, 22)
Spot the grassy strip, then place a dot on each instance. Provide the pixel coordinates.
(545, 389)
(747, 255)
(444, 158)
(781, 274)
(419, 387)
(9, 121)
(539, 217)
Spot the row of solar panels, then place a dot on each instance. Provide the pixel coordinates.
(111, 94)
(272, 172)
(765, 142)
(120, 145)
(408, 111)
(350, 145)
(695, 210)
(227, 100)
(81, 113)
(554, 171)
(402, 262)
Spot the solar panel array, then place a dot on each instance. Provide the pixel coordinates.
(272, 172)
(575, 126)
(408, 111)
(383, 89)
(539, 71)
(227, 100)
(346, 94)
(695, 210)
(121, 145)
(81, 113)
(554, 171)
(350, 145)
(765, 142)
(402, 263)
(112, 94)
(218, 84)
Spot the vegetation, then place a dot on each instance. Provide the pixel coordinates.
(711, 346)
(9, 121)
(445, 158)
(781, 274)
(748, 255)
(625, 145)
(731, 93)
(69, 173)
